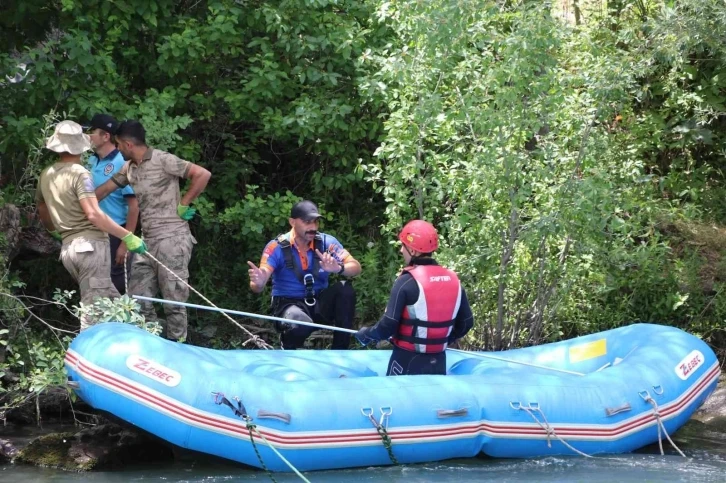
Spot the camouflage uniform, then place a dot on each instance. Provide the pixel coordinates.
(85, 252)
(89, 263)
(156, 184)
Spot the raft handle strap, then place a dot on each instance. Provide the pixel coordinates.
(452, 413)
(659, 422)
(620, 409)
(284, 417)
(545, 425)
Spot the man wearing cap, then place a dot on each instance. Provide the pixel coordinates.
(121, 205)
(154, 175)
(300, 263)
(67, 205)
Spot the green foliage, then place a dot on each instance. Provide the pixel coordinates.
(521, 140)
(121, 309)
(555, 159)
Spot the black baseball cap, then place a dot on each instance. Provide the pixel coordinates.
(305, 210)
(104, 122)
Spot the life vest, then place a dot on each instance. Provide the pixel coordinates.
(425, 326)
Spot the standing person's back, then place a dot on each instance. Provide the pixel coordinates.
(62, 185)
(67, 204)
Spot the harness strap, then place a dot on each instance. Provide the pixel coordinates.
(421, 340)
(427, 323)
(290, 264)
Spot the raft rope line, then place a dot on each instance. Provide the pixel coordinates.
(241, 412)
(659, 423)
(257, 340)
(545, 425)
(381, 429)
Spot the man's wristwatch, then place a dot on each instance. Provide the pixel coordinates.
(342, 269)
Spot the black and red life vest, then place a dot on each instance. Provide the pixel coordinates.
(425, 326)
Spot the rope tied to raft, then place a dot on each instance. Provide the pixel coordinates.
(258, 341)
(659, 422)
(545, 425)
(381, 429)
(241, 412)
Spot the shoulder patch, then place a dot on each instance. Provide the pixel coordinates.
(88, 184)
(270, 248)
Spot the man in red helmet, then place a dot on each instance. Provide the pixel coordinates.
(427, 310)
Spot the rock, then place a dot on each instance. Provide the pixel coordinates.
(54, 404)
(713, 411)
(36, 242)
(697, 435)
(7, 451)
(102, 447)
(707, 427)
(10, 227)
(25, 242)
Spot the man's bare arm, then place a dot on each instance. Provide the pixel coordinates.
(45, 217)
(99, 219)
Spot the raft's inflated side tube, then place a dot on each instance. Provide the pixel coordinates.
(320, 409)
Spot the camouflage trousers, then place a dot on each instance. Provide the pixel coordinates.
(89, 263)
(148, 278)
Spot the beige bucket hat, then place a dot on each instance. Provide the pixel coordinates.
(68, 138)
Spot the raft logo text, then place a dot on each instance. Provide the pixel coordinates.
(153, 370)
(689, 364)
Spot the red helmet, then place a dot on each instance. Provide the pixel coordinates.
(420, 235)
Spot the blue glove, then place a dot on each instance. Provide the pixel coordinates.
(362, 336)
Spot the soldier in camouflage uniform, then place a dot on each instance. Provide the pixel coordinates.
(68, 208)
(154, 176)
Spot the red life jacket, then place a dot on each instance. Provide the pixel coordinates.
(425, 326)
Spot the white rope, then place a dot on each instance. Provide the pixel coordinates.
(126, 274)
(290, 465)
(487, 356)
(549, 429)
(660, 426)
(257, 340)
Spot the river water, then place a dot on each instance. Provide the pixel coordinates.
(699, 466)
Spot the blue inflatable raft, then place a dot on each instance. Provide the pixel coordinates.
(321, 409)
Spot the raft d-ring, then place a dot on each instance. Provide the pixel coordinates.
(368, 412)
(515, 405)
(534, 405)
(645, 395)
(384, 415)
(658, 389)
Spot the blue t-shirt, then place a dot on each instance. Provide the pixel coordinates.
(114, 205)
(284, 281)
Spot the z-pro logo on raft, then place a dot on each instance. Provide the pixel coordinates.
(689, 364)
(153, 370)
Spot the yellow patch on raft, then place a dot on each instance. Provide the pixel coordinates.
(591, 350)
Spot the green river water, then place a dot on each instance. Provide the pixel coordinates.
(705, 462)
